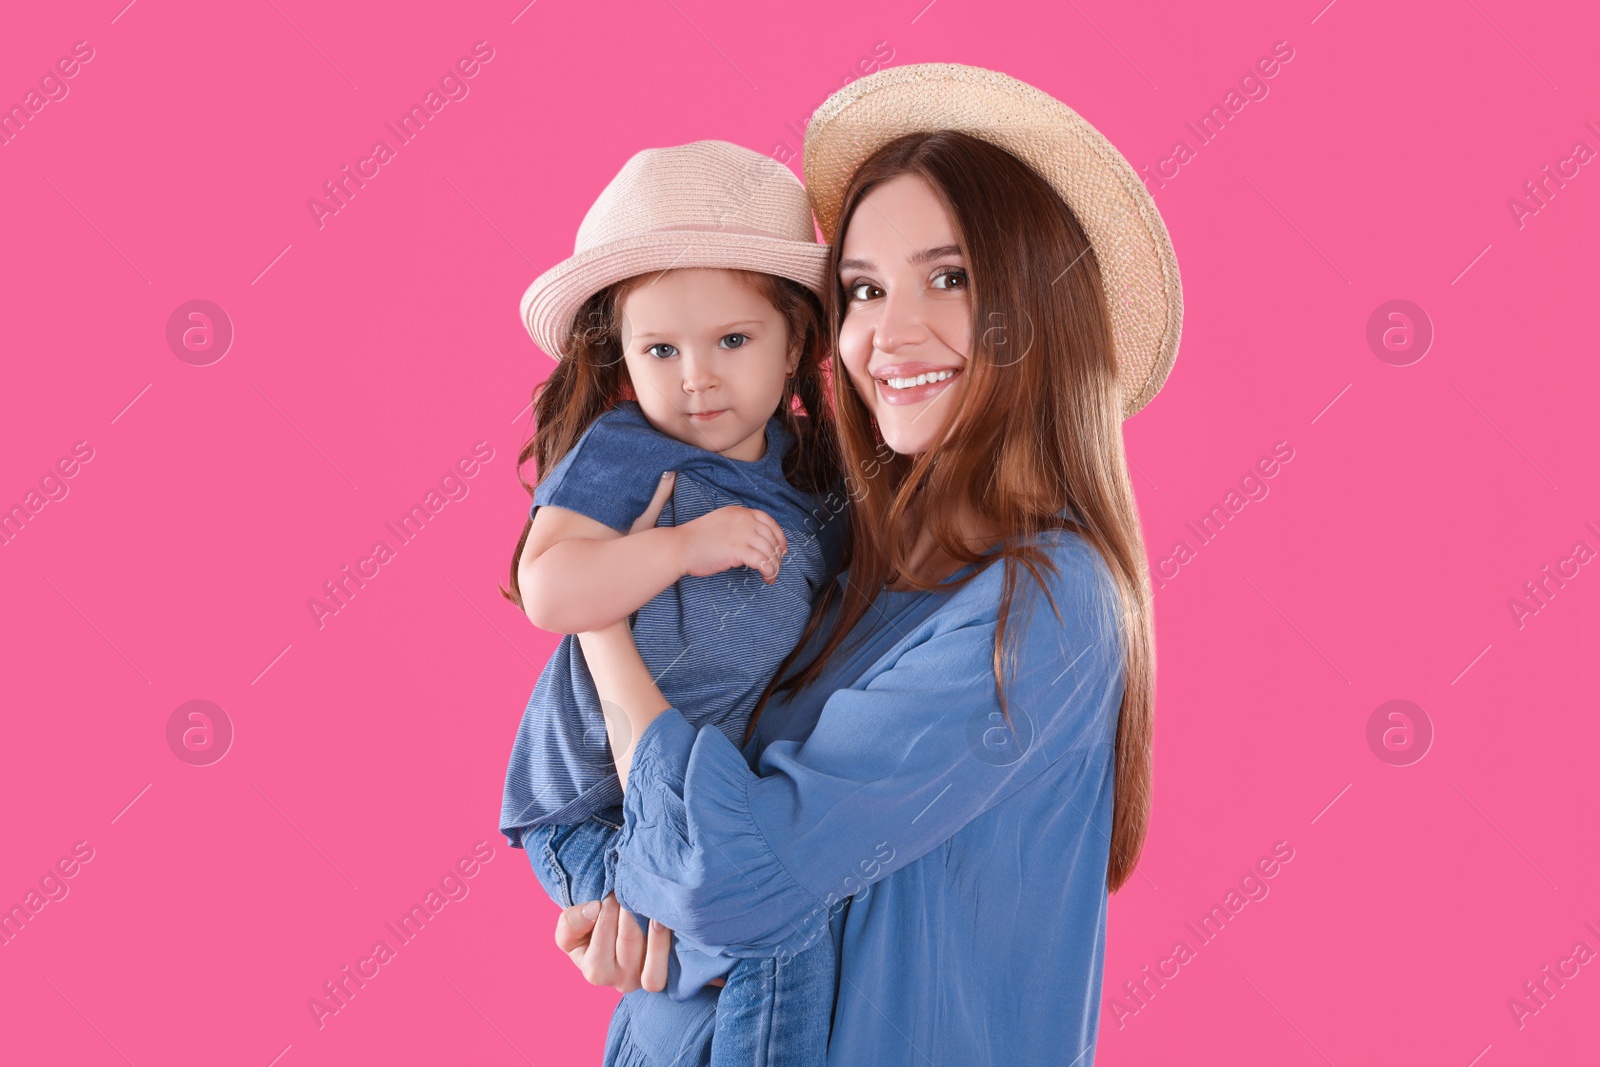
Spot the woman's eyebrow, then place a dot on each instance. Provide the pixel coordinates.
(916, 257)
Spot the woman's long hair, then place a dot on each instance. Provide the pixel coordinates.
(1038, 429)
(593, 378)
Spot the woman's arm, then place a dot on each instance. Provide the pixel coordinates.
(751, 864)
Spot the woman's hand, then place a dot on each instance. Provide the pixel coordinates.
(603, 940)
(652, 511)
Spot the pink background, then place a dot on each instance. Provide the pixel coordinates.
(373, 352)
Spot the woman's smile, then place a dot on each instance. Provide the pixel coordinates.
(914, 389)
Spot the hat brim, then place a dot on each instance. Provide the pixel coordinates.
(1140, 270)
(552, 301)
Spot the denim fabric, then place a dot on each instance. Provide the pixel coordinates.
(969, 849)
(776, 1010)
(773, 1012)
(651, 1030)
(576, 862)
(712, 642)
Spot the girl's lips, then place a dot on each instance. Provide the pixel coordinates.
(707, 416)
(915, 395)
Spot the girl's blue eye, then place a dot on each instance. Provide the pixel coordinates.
(740, 343)
(953, 272)
(651, 351)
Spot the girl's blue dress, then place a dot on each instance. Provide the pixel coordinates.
(712, 644)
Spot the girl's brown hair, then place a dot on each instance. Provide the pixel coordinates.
(1038, 429)
(592, 378)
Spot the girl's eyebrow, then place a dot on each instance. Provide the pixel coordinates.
(718, 329)
(916, 257)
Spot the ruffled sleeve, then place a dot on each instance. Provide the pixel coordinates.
(746, 863)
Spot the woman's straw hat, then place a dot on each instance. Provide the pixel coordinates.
(705, 204)
(1117, 212)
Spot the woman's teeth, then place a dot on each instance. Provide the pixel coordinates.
(921, 379)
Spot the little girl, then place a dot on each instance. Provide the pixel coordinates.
(686, 325)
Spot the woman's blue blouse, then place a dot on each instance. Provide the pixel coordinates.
(958, 862)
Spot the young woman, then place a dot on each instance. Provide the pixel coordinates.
(955, 767)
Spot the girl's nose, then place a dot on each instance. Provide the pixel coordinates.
(698, 372)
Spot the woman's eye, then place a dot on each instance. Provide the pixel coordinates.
(956, 273)
(855, 291)
(738, 340)
(651, 351)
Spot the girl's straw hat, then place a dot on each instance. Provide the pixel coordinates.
(705, 204)
(1117, 212)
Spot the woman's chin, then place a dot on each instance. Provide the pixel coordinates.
(912, 430)
(909, 441)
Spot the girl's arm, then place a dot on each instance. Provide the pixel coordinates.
(578, 574)
(752, 864)
(624, 683)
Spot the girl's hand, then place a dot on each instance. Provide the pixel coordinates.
(730, 537)
(602, 939)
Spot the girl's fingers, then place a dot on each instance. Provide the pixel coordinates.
(657, 950)
(769, 544)
(774, 560)
(776, 544)
(779, 538)
(765, 526)
(759, 558)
